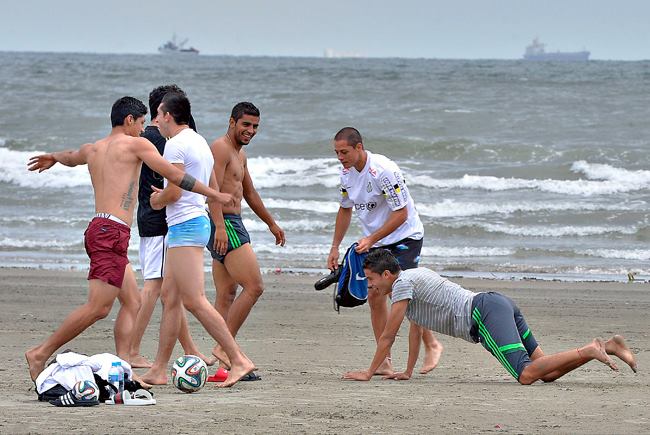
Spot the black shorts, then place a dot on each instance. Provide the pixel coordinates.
(406, 251)
(237, 235)
(501, 328)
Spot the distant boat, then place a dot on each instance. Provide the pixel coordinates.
(536, 51)
(173, 47)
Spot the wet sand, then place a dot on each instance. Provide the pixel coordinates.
(302, 347)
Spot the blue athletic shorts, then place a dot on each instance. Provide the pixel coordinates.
(501, 328)
(193, 232)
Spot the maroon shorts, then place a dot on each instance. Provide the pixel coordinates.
(106, 244)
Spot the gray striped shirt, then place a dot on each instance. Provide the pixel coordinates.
(435, 302)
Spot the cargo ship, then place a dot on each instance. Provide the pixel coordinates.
(537, 51)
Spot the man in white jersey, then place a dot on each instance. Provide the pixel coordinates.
(373, 185)
(492, 319)
(189, 230)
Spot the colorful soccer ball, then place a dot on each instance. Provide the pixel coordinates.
(189, 373)
(86, 391)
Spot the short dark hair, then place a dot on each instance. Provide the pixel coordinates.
(350, 134)
(124, 107)
(156, 96)
(381, 259)
(244, 108)
(178, 105)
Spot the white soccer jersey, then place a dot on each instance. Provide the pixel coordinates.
(375, 192)
(189, 148)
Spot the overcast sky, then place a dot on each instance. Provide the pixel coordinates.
(379, 28)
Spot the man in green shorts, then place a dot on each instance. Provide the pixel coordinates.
(233, 261)
(492, 319)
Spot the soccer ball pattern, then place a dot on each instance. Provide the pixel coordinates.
(86, 391)
(189, 373)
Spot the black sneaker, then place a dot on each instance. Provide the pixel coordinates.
(328, 280)
(69, 399)
(83, 393)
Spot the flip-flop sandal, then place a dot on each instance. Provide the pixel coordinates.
(140, 397)
(222, 374)
(219, 376)
(252, 376)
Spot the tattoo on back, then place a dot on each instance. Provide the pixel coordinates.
(128, 197)
(187, 183)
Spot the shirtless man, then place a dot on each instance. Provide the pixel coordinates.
(189, 231)
(114, 165)
(233, 261)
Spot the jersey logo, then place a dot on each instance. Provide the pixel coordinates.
(373, 172)
(359, 278)
(369, 187)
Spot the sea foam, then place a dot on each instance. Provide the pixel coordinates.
(601, 180)
(14, 171)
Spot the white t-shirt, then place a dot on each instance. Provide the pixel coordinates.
(189, 148)
(375, 192)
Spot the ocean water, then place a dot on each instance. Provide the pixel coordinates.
(517, 168)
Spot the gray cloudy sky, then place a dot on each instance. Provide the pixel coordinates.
(404, 28)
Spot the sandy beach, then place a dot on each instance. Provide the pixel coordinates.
(302, 347)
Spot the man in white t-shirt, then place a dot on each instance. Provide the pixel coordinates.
(189, 231)
(373, 185)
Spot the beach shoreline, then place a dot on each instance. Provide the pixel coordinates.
(302, 347)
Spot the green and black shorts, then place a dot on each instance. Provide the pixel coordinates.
(501, 328)
(237, 235)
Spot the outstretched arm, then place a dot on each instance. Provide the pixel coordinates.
(385, 342)
(148, 153)
(70, 158)
(257, 205)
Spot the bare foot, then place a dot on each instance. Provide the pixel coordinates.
(596, 350)
(34, 363)
(154, 377)
(385, 369)
(140, 362)
(431, 358)
(209, 361)
(617, 346)
(219, 354)
(138, 378)
(237, 372)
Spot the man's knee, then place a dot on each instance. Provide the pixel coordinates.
(254, 290)
(526, 378)
(100, 311)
